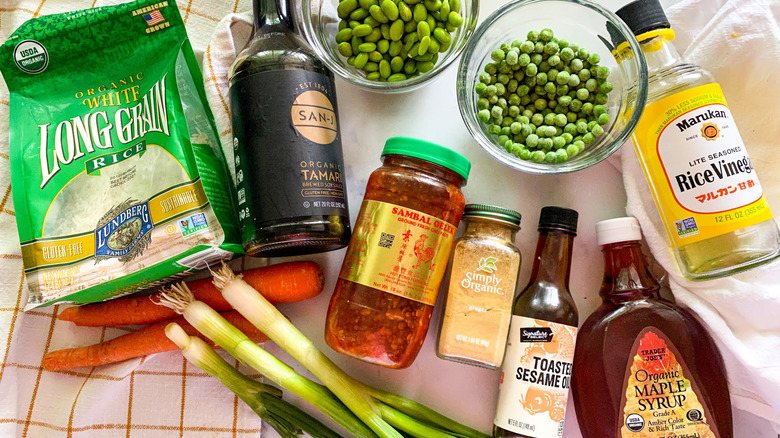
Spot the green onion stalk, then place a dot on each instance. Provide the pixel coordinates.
(385, 413)
(215, 327)
(264, 400)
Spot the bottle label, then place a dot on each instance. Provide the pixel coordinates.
(398, 250)
(286, 146)
(659, 400)
(694, 157)
(535, 377)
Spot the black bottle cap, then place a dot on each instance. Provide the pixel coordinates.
(560, 218)
(643, 16)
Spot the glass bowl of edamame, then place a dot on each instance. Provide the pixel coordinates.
(388, 46)
(552, 86)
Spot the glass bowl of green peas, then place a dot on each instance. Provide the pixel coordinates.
(552, 86)
(388, 46)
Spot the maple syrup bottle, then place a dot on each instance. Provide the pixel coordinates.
(644, 367)
(537, 369)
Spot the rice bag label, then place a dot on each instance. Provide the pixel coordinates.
(692, 152)
(285, 130)
(535, 377)
(658, 399)
(116, 173)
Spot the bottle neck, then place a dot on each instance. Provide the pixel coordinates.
(489, 228)
(660, 53)
(627, 275)
(273, 13)
(552, 261)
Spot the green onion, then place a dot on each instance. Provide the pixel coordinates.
(209, 322)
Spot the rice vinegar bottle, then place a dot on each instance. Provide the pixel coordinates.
(706, 190)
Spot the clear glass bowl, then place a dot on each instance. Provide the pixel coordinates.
(580, 22)
(320, 22)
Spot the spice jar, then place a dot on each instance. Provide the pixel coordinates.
(485, 266)
(397, 255)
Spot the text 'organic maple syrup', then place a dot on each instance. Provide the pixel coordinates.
(644, 367)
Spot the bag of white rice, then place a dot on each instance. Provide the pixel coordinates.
(119, 181)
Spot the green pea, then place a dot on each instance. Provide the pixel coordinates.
(531, 70)
(395, 48)
(583, 54)
(390, 9)
(603, 119)
(551, 48)
(576, 65)
(605, 87)
(344, 35)
(600, 99)
(572, 150)
(455, 19)
(361, 60)
(561, 120)
(588, 138)
(359, 14)
(546, 35)
(345, 7)
(345, 49)
(594, 59)
(582, 93)
(420, 13)
(561, 156)
(597, 130)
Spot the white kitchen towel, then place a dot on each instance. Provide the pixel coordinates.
(739, 42)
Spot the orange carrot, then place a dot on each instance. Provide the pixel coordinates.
(281, 283)
(147, 340)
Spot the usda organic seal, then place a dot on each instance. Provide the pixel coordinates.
(31, 56)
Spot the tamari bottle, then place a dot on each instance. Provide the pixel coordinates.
(484, 269)
(644, 367)
(537, 369)
(387, 286)
(287, 146)
(705, 187)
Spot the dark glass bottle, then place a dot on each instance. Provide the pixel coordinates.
(642, 363)
(538, 362)
(287, 145)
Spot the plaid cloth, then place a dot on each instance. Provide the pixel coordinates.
(159, 396)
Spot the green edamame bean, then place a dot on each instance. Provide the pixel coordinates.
(373, 76)
(365, 4)
(444, 11)
(423, 30)
(371, 66)
(410, 26)
(384, 68)
(442, 36)
(345, 49)
(431, 22)
(351, 60)
(345, 7)
(376, 12)
(396, 64)
(353, 24)
(449, 27)
(419, 13)
(374, 36)
(404, 11)
(396, 77)
(390, 9)
(424, 58)
(356, 41)
(395, 48)
(358, 14)
(397, 30)
(344, 35)
(410, 66)
(432, 5)
(425, 42)
(383, 46)
(424, 67)
(371, 21)
(343, 24)
(434, 47)
(361, 60)
(385, 29)
(362, 30)
(414, 50)
(375, 56)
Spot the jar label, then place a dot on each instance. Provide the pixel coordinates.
(287, 147)
(398, 250)
(658, 398)
(692, 153)
(535, 377)
(479, 302)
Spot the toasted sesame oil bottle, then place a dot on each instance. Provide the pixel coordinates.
(705, 187)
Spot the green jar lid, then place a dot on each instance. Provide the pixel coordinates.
(492, 212)
(427, 151)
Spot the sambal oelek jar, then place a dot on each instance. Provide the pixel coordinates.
(398, 253)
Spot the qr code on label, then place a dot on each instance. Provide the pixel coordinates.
(386, 240)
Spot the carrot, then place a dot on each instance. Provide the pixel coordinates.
(281, 283)
(147, 340)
